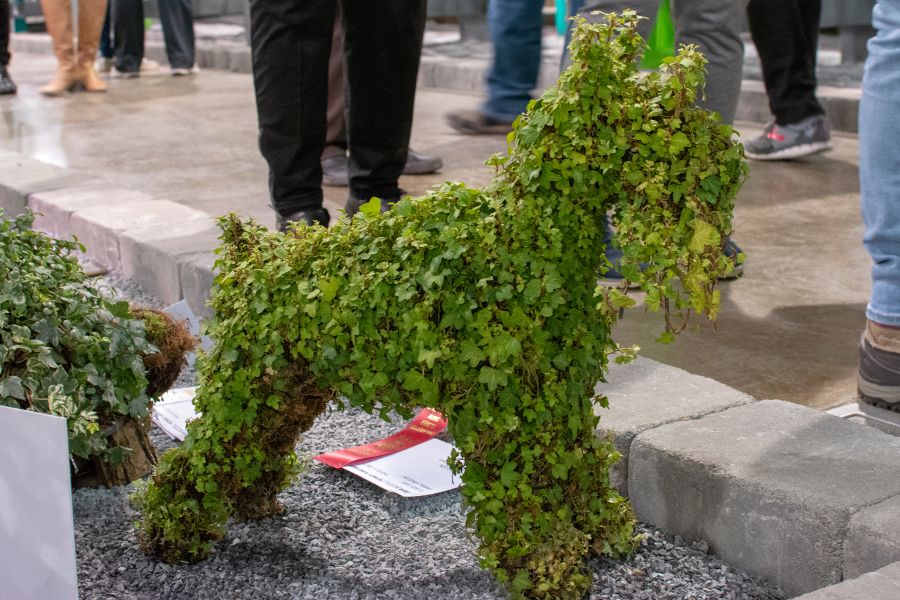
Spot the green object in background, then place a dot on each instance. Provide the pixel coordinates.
(662, 39)
(148, 23)
(562, 16)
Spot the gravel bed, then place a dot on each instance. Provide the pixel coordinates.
(341, 538)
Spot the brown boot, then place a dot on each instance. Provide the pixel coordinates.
(91, 14)
(58, 18)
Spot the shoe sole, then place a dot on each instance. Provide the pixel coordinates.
(423, 167)
(798, 151)
(882, 396)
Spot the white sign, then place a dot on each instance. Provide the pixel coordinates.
(37, 530)
(173, 411)
(418, 471)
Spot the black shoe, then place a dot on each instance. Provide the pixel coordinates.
(334, 168)
(353, 204)
(7, 86)
(310, 217)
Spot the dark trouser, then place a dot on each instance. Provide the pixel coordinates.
(291, 43)
(785, 33)
(4, 32)
(128, 33)
(177, 22)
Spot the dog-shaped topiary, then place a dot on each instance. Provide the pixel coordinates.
(482, 303)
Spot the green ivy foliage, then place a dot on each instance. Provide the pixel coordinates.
(65, 349)
(482, 303)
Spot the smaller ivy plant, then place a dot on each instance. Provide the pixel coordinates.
(65, 349)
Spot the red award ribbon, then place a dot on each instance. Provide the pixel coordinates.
(427, 424)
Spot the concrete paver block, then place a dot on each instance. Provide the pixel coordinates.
(873, 539)
(99, 228)
(771, 486)
(883, 584)
(646, 394)
(21, 176)
(54, 209)
(151, 256)
(197, 276)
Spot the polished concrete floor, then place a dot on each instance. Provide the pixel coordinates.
(788, 329)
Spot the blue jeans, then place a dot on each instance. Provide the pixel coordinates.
(879, 162)
(515, 27)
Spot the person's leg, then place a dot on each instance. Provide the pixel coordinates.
(290, 43)
(177, 22)
(879, 175)
(515, 27)
(106, 44)
(91, 14)
(383, 42)
(128, 32)
(785, 33)
(715, 27)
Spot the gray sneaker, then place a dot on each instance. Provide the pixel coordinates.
(779, 142)
(878, 377)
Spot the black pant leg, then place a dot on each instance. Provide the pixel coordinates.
(290, 41)
(383, 42)
(177, 22)
(4, 32)
(128, 34)
(785, 33)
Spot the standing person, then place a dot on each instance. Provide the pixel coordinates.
(290, 45)
(785, 33)
(74, 66)
(879, 176)
(7, 86)
(334, 157)
(515, 27)
(177, 20)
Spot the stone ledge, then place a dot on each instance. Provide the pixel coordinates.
(873, 540)
(883, 584)
(647, 394)
(768, 475)
(21, 177)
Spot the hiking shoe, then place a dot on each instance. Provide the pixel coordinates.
(473, 122)
(780, 142)
(7, 85)
(878, 376)
(334, 168)
(310, 217)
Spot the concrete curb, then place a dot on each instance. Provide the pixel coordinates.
(819, 494)
(468, 75)
(883, 584)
